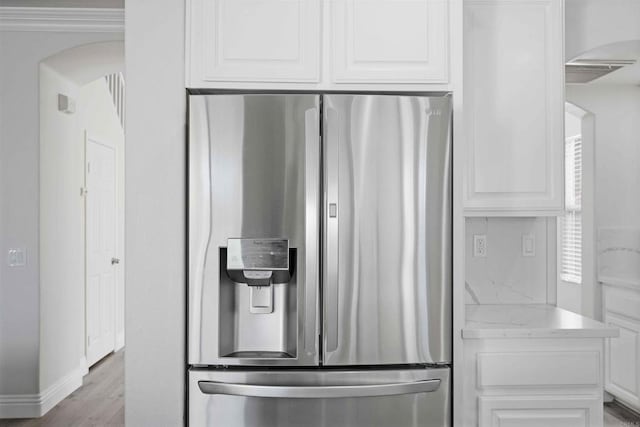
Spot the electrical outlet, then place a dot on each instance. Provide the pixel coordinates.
(479, 245)
(528, 245)
(16, 258)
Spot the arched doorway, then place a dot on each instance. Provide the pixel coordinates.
(79, 113)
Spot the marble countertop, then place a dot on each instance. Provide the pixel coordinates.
(530, 321)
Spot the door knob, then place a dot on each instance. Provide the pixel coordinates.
(115, 261)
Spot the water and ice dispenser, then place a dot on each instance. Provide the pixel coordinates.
(258, 299)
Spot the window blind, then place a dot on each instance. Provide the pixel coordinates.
(571, 222)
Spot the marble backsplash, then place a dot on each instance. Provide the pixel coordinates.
(619, 254)
(504, 275)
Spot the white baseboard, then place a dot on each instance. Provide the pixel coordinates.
(119, 341)
(36, 405)
(19, 406)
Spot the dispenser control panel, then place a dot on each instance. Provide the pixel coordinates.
(257, 254)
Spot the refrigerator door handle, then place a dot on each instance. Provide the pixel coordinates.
(318, 392)
(312, 227)
(331, 215)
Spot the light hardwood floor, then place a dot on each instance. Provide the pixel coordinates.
(99, 402)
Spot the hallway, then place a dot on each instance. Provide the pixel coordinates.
(99, 402)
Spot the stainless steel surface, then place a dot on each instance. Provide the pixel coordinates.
(318, 392)
(311, 289)
(253, 173)
(423, 408)
(387, 286)
(331, 282)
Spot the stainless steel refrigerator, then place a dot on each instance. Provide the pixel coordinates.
(319, 266)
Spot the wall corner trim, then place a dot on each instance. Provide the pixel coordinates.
(62, 19)
(36, 405)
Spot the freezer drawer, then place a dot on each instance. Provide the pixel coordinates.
(314, 398)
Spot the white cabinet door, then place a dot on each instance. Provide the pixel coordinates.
(539, 411)
(389, 41)
(514, 106)
(253, 41)
(622, 354)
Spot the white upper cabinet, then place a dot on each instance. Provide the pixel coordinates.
(514, 106)
(252, 41)
(389, 41)
(318, 44)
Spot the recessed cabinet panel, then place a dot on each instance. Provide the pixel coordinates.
(389, 41)
(255, 40)
(514, 105)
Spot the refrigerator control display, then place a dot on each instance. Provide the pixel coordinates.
(258, 254)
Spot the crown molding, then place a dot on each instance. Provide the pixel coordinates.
(62, 19)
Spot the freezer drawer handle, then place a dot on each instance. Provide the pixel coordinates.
(318, 392)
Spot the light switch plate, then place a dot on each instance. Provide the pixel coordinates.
(16, 258)
(528, 245)
(479, 245)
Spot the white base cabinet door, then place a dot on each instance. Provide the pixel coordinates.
(514, 107)
(622, 354)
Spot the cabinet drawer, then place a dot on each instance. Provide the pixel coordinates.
(522, 369)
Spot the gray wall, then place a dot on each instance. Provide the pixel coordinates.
(21, 53)
(155, 200)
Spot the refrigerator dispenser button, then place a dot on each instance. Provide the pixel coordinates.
(261, 299)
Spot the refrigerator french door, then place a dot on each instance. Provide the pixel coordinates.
(319, 260)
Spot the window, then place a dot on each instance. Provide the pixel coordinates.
(571, 222)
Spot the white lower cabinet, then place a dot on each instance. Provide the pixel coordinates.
(543, 382)
(622, 354)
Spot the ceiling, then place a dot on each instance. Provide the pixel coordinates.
(109, 4)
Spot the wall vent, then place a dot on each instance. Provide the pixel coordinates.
(588, 70)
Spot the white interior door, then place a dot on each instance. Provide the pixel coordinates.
(100, 249)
